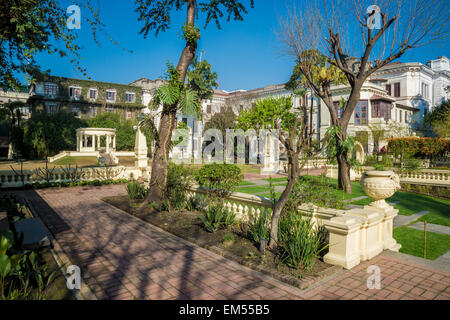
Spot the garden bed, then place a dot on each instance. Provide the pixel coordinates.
(187, 225)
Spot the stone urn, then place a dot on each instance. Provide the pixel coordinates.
(380, 185)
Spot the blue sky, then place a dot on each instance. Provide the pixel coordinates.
(245, 54)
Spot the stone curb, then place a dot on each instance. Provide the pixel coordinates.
(301, 284)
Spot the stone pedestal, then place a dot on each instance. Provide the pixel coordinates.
(387, 224)
(344, 238)
(140, 149)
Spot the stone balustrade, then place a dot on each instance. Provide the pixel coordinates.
(356, 235)
(11, 179)
(424, 176)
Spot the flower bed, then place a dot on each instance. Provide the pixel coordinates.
(233, 243)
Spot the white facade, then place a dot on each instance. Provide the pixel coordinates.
(398, 95)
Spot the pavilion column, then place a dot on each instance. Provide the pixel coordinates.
(78, 142)
(93, 142)
(98, 142)
(108, 141)
(114, 142)
(84, 141)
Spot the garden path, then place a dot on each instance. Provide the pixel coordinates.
(122, 257)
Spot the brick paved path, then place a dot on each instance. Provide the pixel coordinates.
(122, 257)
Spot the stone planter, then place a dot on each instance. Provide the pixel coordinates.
(380, 185)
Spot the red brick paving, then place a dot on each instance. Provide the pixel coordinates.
(122, 257)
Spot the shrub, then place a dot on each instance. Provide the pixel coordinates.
(136, 191)
(299, 243)
(371, 160)
(379, 167)
(419, 147)
(319, 190)
(179, 180)
(259, 228)
(219, 179)
(228, 237)
(215, 217)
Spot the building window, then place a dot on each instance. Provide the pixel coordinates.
(388, 89)
(208, 108)
(397, 89)
(406, 117)
(50, 89)
(93, 94)
(361, 113)
(424, 90)
(338, 109)
(381, 109)
(75, 92)
(52, 107)
(111, 96)
(130, 97)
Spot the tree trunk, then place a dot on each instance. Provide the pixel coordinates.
(279, 205)
(160, 160)
(344, 173)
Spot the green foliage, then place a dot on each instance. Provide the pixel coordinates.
(46, 134)
(125, 134)
(336, 145)
(228, 237)
(320, 71)
(299, 242)
(179, 180)
(156, 14)
(201, 79)
(268, 112)
(219, 179)
(21, 272)
(318, 190)
(215, 216)
(419, 147)
(259, 228)
(223, 120)
(439, 119)
(190, 33)
(135, 191)
(379, 167)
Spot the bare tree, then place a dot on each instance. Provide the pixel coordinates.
(357, 38)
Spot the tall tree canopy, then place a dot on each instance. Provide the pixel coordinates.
(28, 27)
(156, 16)
(343, 31)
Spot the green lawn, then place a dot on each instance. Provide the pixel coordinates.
(410, 203)
(246, 183)
(252, 189)
(412, 242)
(267, 195)
(81, 161)
(277, 179)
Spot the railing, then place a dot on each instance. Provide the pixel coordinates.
(356, 235)
(11, 179)
(424, 176)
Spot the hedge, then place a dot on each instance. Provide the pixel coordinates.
(419, 147)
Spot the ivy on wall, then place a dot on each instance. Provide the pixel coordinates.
(85, 85)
